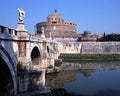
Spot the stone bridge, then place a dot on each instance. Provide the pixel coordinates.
(33, 51)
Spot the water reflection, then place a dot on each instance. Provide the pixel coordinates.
(59, 79)
(86, 72)
(90, 79)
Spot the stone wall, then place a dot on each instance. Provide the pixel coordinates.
(100, 48)
(90, 47)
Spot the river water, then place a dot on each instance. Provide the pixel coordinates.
(89, 79)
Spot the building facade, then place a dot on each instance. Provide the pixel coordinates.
(58, 29)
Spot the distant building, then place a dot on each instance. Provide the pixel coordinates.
(88, 37)
(56, 28)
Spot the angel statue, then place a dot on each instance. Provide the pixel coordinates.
(21, 14)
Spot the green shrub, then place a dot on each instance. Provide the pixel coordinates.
(20, 66)
(50, 66)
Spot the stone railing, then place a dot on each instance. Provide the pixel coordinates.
(6, 30)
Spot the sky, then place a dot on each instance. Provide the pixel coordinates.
(98, 16)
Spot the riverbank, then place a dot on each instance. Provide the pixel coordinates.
(89, 57)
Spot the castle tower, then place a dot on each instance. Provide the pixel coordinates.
(57, 28)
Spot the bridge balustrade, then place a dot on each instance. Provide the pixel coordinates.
(7, 30)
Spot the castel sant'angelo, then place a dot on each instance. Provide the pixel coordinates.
(60, 30)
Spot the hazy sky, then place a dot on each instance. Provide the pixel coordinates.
(99, 16)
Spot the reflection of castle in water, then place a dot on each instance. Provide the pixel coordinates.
(59, 79)
(87, 72)
(66, 76)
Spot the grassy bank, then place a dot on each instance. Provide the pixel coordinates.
(88, 57)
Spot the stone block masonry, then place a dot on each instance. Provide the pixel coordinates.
(90, 47)
(100, 48)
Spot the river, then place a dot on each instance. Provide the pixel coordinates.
(89, 79)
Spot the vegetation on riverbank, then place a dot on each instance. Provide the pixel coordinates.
(20, 66)
(110, 37)
(88, 57)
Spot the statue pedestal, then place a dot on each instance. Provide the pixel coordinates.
(21, 29)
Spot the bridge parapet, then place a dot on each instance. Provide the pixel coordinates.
(7, 31)
(36, 38)
(7, 35)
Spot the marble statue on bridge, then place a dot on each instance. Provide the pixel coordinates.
(21, 14)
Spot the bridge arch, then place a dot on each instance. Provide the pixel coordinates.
(8, 83)
(35, 56)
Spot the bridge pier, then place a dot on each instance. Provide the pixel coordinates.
(30, 81)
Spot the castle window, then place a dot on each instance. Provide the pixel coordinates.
(54, 22)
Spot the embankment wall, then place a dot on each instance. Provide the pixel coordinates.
(90, 47)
